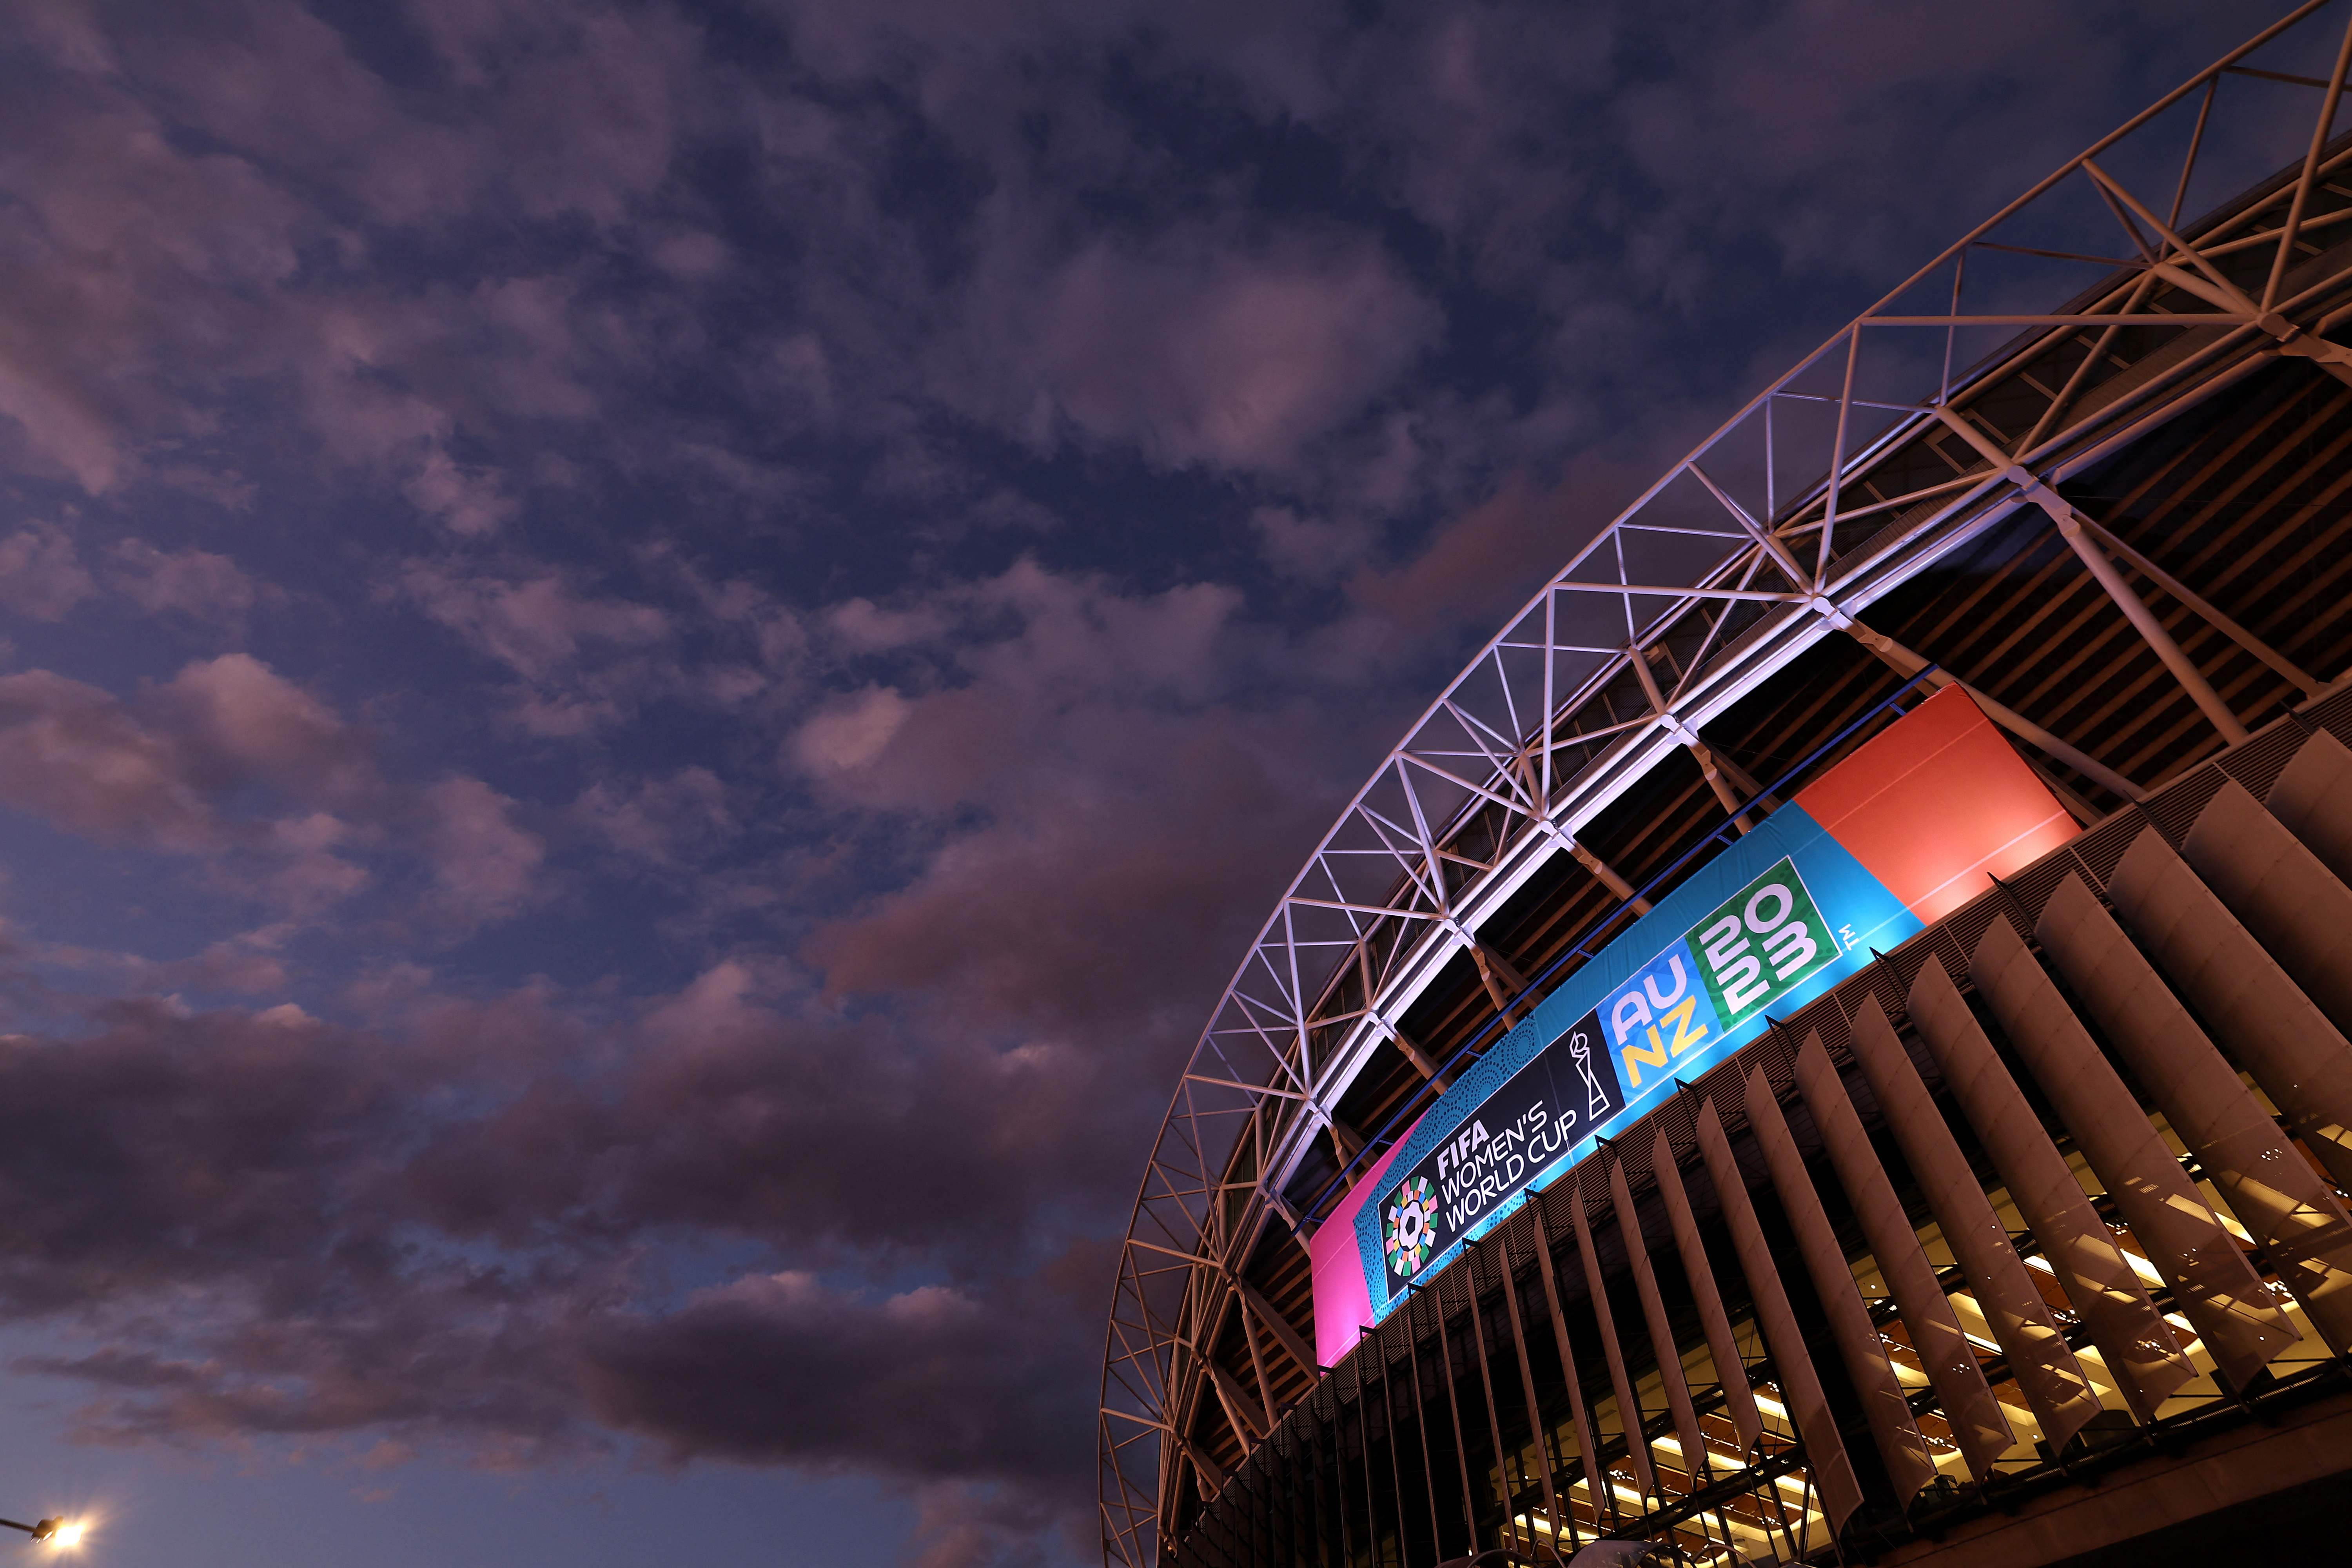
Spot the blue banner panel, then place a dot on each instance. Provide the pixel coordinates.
(1777, 919)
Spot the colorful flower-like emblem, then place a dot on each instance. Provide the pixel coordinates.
(1412, 1227)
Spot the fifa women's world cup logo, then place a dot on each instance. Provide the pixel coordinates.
(1412, 1226)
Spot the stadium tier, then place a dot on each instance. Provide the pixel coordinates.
(1828, 1042)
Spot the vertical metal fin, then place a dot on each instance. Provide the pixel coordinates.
(1453, 1409)
(1545, 1464)
(1629, 1409)
(1661, 1337)
(2314, 798)
(1588, 1450)
(2038, 1357)
(2137, 1344)
(1740, 1400)
(2212, 1281)
(1981, 1430)
(1494, 1410)
(2279, 1199)
(2265, 1020)
(1908, 1463)
(2283, 892)
(1792, 1365)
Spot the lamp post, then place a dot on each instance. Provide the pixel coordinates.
(63, 1534)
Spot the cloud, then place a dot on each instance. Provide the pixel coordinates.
(1088, 796)
(849, 734)
(748, 1112)
(122, 245)
(198, 584)
(1313, 550)
(662, 822)
(1256, 349)
(230, 762)
(485, 864)
(927, 1383)
(1487, 562)
(584, 661)
(41, 574)
(443, 1240)
(965, 1524)
(79, 759)
(467, 501)
(237, 719)
(1098, 902)
(252, 962)
(537, 626)
(169, 227)
(168, 1151)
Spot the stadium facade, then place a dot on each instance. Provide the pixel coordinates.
(1829, 1042)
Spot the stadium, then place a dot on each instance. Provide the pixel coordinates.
(1828, 1041)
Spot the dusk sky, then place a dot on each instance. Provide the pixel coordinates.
(655, 659)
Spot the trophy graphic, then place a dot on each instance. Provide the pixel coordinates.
(1581, 1050)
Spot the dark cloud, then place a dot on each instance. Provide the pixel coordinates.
(261, 1224)
(932, 1382)
(737, 1117)
(167, 1151)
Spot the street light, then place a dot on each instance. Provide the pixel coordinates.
(62, 1535)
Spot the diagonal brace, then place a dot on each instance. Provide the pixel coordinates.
(2143, 619)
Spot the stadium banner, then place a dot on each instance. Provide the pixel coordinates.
(1914, 823)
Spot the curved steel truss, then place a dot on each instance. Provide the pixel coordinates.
(1715, 578)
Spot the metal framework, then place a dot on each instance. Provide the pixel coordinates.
(1715, 578)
